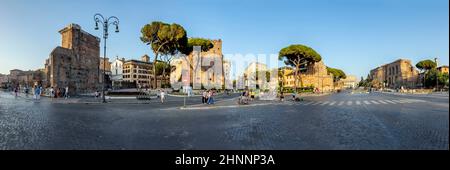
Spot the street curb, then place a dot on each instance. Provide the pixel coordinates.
(230, 106)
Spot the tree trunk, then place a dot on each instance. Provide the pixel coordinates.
(154, 71)
(163, 77)
(297, 67)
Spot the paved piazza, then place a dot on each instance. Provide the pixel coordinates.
(337, 121)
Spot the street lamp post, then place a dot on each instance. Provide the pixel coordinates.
(105, 23)
(437, 80)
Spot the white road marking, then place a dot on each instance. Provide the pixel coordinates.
(390, 101)
(324, 103)
(374, 102)
(409, 101)
(357, 102)
(397, 101)
(306, 104)
(381, 101)
(405, 101)
(317, 103)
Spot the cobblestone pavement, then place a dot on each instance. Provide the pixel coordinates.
(406, 123)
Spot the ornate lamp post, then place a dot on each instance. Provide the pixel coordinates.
(105, 23)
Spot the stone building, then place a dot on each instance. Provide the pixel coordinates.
(315, 75)
(252, 80)
(137, 72)
(28, 78)
(349, 82)
(397, 74)
(106, 67)
(4, 78)
(76, 62)
(227, 74)
(287, 78)
(208, 60)
(117, 71)
(443, 69)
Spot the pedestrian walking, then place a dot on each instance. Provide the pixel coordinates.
(66, 92)
(16, 90)
(210, 97)
(162, 96)
(26, 91)
(37, 92)
(33, 90)
(52, 92)
(281, 96)
(204, 96)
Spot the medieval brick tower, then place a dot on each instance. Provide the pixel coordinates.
(76, 62)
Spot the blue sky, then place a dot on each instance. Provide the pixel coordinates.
(354, 35)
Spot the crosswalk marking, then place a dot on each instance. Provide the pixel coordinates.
(308, 103)
(389, 101)
(396, 101)
(355, 102)
(374, 102)
(409, 101)
(399, 101)
(349, 103)
(381, 101)
(317, 103)
(324, 103)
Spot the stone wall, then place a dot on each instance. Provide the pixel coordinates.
(76, 63)
(26, 78)
(397, 74)
(317, 76)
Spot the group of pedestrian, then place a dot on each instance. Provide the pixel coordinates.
(59, 92)
(245, 97)
(208, 97)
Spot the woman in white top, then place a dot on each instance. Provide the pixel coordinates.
(162, 96)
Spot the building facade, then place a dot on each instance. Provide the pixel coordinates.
(443, 69)
(252, 79)
(30, 78)
(314, 75)
(397, 74)
(349, 82)
(117, 71)
(206, 63)
(287, 77)
(137, 72)
(317, 75)
(75, 63)
(4, 78)
(104, 67)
